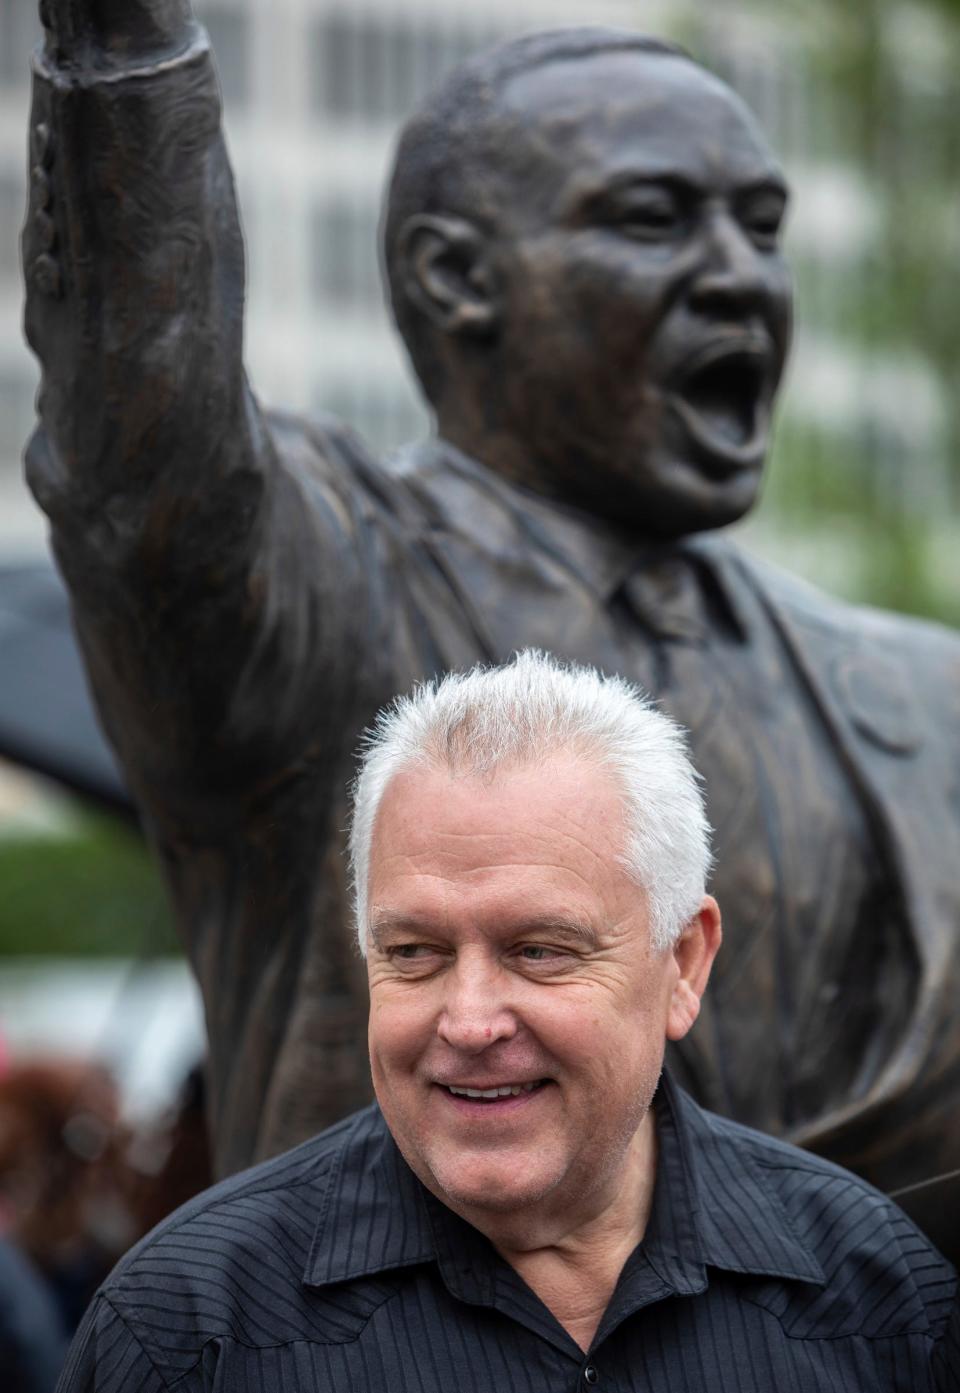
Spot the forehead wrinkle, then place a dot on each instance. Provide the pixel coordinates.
(448, 864)
(446, 869)
(561, 99)
(650, 112)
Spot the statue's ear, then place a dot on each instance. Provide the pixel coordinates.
(445, 272)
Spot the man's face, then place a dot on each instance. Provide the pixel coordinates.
(645, 303)
(509, 955)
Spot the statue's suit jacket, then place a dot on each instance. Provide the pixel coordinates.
(250, 589)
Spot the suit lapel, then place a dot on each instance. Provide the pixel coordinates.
(874, 720)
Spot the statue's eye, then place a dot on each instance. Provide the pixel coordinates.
(649, 217)
(762, 220)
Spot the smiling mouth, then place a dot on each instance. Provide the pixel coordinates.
(492, 1095)
(721, 395)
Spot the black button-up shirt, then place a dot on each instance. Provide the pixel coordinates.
(332, 1268)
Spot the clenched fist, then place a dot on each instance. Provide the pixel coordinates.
(105, 31)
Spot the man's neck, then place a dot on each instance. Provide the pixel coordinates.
(574, 1269)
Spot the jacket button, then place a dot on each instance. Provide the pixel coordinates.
(41, 145)
(46, 276)
(45, 230)
(590, 1375)
(41, 187)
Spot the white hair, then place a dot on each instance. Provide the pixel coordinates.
(481, 721)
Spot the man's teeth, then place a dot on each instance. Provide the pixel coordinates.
(508, 1090)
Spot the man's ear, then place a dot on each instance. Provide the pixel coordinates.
(693, 953)
(445, 272)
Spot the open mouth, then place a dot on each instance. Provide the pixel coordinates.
(494, 1095)
(721, 396)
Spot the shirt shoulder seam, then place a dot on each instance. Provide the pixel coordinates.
(129, 1324)
(129, 1327)
(847, 1335)
(114, 1286)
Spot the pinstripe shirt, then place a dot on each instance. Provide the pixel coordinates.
(331, 1267)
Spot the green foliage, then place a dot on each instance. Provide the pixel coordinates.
(90, 890)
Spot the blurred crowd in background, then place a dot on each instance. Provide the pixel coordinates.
(863, 497)
(78, 1186)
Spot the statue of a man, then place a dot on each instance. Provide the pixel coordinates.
(582, 240)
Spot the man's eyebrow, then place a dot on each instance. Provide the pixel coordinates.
(568, 926)
(383, 926)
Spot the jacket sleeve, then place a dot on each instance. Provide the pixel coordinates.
(208, 575)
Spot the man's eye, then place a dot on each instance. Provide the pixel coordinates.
(538, 953)
(408, 952)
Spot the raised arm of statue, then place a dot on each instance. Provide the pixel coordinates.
(214, 554)
(151, 457)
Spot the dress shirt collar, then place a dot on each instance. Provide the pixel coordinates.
(711, 1207)
(601, 555)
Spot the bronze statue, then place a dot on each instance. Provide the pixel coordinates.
(583, 250)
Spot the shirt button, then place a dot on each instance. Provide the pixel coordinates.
(590, 1375)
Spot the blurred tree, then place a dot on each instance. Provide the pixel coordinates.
(87, 889)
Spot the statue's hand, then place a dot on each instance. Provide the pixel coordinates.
(115, 30)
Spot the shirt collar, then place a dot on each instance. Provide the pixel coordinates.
(467, 497)
(711, 1207)
(712, 1202)
(372, 1212)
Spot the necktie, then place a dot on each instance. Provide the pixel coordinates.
(664, 593)
(685, 657)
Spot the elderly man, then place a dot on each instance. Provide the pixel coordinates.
(530, 1205)
(582, 243)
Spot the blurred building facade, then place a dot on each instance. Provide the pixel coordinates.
(315, 91)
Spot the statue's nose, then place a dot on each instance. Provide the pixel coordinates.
(732, 276)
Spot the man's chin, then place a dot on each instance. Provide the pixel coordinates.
(498, 1188)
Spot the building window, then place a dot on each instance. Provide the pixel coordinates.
(373, 68)
(16, 415)
(384, 417)
(343, 255)
(12, 210)
(20, 32)
(229, 31)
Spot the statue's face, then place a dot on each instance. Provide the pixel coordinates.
(645, 302)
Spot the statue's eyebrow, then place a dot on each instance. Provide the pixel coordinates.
(768, 184)
(600, 192)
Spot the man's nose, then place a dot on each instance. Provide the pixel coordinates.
(732, 274)
(476, 1011)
